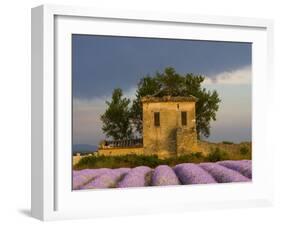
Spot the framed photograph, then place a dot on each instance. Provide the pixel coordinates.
(142, 112)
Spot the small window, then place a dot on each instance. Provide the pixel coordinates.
(183, 118)
(156, 118)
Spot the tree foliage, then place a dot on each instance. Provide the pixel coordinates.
(116, 119)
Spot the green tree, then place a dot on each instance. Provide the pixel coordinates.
(116, 119)
(173, 84)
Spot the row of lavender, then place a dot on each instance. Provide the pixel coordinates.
(186, 173)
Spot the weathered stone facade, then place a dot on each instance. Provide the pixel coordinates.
(169, 128)
(121, 151)
(175, 134)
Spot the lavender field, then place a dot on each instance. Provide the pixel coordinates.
(181, 174)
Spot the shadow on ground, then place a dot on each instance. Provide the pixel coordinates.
(25, 212)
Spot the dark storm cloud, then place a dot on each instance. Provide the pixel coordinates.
(102, 63)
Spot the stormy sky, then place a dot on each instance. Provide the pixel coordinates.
(103, 63)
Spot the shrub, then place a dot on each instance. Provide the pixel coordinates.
(137, 177)
(227, 142)
(190, 173)
(109, 179)
(94, 162)
(197, 154)
(216, 155)
(133, 160)
(244, 150)
(243, 166)
(164, 175)
(223, 174)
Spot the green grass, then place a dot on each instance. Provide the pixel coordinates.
(93, 162)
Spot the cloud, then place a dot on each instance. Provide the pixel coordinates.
(130, 93)
(239, 76)
(234, 115)
(86, 117)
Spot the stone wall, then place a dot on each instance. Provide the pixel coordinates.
(186, 141)
(205, 147)
(76, 159)
(121, 151)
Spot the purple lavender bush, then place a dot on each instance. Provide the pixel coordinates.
(108, 179)
(82, 177)
(223, 174)
(190, 173)
(164, 175)
(137, 177)
(244, 166)
(185, 173)
(75, 173)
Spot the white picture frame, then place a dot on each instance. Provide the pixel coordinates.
(52, 197)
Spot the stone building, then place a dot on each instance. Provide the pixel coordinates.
(169, 129)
